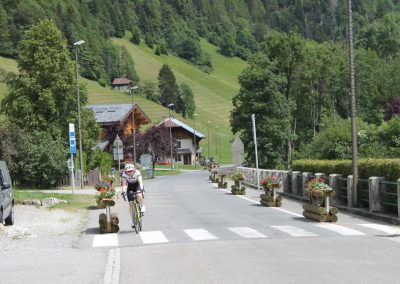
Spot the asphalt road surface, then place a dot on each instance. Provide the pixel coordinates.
(194, 232)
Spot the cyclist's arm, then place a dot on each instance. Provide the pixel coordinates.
(124, 185)
(140, 180)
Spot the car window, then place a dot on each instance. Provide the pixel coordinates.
(1, 178)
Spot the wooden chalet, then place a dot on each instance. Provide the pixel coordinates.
(117, 120)
(186, 152)
(122, 84)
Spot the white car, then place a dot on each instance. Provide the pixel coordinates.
(6, 196)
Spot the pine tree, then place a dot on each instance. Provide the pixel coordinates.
(169, 90)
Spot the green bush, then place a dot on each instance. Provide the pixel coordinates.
(40, 160)
(388, 168)
(101, 160)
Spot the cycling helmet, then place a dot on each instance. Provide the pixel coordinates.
(129, 167)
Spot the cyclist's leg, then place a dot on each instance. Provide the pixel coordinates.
(139, 196)
(131, 205)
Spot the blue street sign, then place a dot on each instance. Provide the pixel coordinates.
(72, 141)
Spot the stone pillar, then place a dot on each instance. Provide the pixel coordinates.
(334, 184)
(285, 181)
(349, 189)
(305, 179)
(374, 194)
(295, 187)
(318, 176)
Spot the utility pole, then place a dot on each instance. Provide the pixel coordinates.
(354, 151)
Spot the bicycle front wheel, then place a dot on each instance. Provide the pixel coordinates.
(138, 217)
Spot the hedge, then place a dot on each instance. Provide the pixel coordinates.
(388, 168)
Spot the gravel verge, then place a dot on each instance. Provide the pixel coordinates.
(40, 227)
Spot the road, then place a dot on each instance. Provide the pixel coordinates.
(194, 232)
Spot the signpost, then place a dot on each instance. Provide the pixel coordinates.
(72, 150)
(118, 151)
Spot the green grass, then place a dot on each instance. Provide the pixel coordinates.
(180, 167)
(212, 92)
(75, 201)
(158, 173)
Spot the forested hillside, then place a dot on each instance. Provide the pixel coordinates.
(235, 26)
(296, 50)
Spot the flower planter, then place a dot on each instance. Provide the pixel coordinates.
(108, 222)
(271, 198)
(318, 207)
(237, 189)
(221, 183)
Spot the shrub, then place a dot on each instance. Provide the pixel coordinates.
(40, 160)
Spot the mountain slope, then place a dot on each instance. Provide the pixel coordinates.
(212, 92)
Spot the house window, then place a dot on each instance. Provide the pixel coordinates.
(178, 144)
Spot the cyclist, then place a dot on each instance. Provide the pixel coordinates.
(132, 183)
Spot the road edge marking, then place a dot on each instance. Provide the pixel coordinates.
(113, 267)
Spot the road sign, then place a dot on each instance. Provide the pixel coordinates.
(72, 141)
(118, 149)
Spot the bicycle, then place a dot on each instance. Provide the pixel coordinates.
(136, 214)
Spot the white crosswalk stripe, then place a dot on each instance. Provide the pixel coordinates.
(106, 240)
(340, 229)
(247, 233)
(294, 231)
(383, 228)
(153, 237)
(200, 234)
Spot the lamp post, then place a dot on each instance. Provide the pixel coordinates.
(194, 138)
(208, 139)
(76, 44)
(354, 152)
(133, 125)
(216, 142)
(170, 133)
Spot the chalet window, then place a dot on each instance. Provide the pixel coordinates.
(178, 144)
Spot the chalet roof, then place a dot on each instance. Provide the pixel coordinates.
(176, 123)
(121, 81)
(107, 114)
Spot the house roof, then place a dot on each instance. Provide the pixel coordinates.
(121, 81)
(176, 123)
(107, 114)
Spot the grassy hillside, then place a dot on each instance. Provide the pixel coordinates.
(213, 92)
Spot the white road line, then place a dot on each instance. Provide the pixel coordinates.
(248, 199)
(340, 229)
(200, 234)
(294, 231)
(153, 237)
(247, 232)
(113, 267)
(288, 212)
(106, 240)
(383, 228)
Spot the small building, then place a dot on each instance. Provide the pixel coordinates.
(187, 138)
(118, 120)
(122, 84)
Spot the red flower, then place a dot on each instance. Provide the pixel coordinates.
(262, 181)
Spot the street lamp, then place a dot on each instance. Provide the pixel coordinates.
(208, 139)
(76, 44)
(170, 133)
(194, 138)
(216, 141)
(133, 125)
